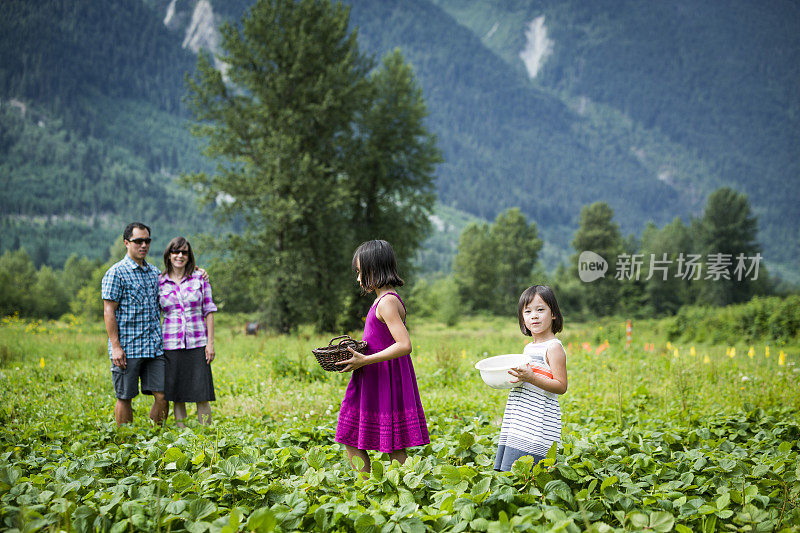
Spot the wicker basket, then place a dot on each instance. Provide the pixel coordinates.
(329, 355)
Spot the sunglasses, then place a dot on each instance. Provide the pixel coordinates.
(180, 252)
(141, 240)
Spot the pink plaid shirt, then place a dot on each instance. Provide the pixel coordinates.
(184, 308)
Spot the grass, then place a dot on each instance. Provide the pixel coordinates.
(276, 377)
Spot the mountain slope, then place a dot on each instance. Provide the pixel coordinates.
(717, 80)
(506, 142)
(92, 133)
(617, 111)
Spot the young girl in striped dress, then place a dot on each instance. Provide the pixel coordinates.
(532, 419)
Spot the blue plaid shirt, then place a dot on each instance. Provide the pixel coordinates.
(135, 288)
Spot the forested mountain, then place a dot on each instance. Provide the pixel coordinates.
(91, 132)
(648, 107)
(508, 143)
(717, 79)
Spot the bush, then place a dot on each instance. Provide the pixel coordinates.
(439, 299)
(762, 318)
(87, 303)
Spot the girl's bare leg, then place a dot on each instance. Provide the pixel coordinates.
(355, 452)
(400, 455)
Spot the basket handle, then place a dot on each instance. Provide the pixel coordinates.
(345, 338)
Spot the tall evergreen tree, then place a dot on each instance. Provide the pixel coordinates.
(392, 167)
(305, 149)
(598, 233)
(395, 156)
(726, 231)
(668, 289)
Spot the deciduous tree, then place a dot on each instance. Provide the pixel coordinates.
(17, 276)
(495, 261)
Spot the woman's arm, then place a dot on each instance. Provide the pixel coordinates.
(388, 311)
(208, 310)
(210, 354)
(557, 359)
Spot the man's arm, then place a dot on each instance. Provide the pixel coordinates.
(112, 328)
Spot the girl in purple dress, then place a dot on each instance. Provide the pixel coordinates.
(381, 409)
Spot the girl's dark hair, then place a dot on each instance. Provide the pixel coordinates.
(549, 298)
(176, 244)
(378, 267)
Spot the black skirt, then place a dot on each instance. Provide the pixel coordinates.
(187, 376)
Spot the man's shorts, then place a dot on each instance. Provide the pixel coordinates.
(126, 380)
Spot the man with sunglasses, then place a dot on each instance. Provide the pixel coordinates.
(133, 323)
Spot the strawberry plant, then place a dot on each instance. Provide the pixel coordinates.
(635, 456)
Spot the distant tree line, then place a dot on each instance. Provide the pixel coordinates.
(644, 278)
(48, 293)
(494, 263)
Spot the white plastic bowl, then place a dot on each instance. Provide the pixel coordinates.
(494, 370)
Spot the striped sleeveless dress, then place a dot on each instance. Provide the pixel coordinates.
(532, 419)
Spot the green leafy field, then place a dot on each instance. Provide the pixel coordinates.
(672, 439)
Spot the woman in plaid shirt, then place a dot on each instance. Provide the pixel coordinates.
(185, 300)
